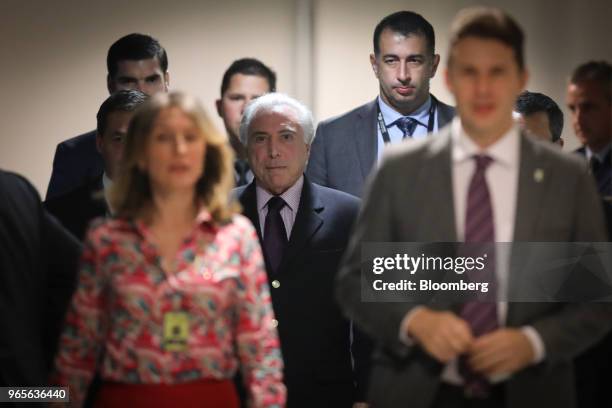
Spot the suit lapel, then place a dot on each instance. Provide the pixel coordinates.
(366, 137)
(440, 222)
(95, 199)
(307, 223)
(533, 178)
(248, 200)
(445, 113)
(97, 183)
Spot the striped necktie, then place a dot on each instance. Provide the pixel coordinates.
(479, 230)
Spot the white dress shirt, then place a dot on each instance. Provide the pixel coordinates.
(600, 155)
(502, 181)
(107, 183)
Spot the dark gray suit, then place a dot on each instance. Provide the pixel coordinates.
(345, 148)
(411, 200)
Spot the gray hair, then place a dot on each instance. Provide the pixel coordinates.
(271, 102)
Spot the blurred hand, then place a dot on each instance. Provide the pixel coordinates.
(504, 351)
(360, 405)
(443, 335)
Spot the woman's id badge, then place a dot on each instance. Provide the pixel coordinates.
(176, 331)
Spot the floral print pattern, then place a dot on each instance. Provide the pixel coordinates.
(220, 293)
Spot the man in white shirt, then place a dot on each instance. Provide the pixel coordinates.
(479, 180)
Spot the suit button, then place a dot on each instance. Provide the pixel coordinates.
(274, 323)
(275, 284)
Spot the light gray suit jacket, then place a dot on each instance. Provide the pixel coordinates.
(410, 199)
(345, 148)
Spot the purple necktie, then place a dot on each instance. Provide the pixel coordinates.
(479, 228)
(275, 235)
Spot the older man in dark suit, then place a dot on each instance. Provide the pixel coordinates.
(479, 181)
(38, 264)
(347, 147)
(304, 230)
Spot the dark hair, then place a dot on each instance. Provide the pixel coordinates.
(489, 23)
(135, 47)
(121, 101)
(529, 103)
(600, 71)
(405, 23)
(248, 66)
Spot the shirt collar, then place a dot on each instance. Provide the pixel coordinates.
(601, 155)
(107, 183)
(291, 196)
(390, 115)
(505, 151)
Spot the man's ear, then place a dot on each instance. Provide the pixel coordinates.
(110, 85)
(524, 79)
(167, 80)
(374, 64)
(560, 142)
(219, 107)
(99, 142)
(434, 65)
(447, 81)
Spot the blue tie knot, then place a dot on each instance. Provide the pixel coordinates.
(406, 125)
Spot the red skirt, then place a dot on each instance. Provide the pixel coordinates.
(197, 394)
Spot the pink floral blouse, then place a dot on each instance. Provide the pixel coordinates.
(141, 325)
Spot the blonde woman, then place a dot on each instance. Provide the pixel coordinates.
(172, 296)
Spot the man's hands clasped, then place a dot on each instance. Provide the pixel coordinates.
(445, 336)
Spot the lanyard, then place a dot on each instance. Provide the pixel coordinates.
(383, 127)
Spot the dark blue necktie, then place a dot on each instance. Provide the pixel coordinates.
(406, 125)
(275, 235)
